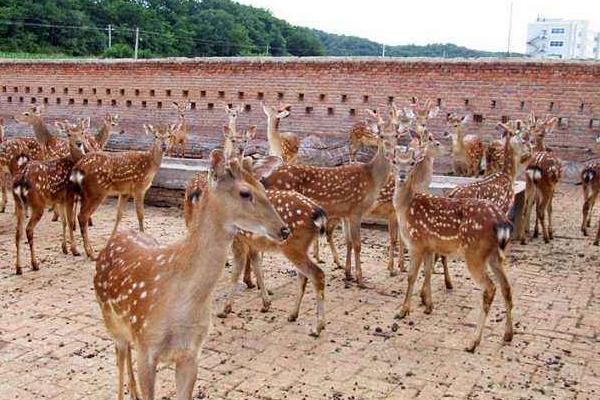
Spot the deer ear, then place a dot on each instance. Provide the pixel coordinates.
(251, 132)
(371, 113)
(247, 163)
(217, 164)
(265, 166)
(466, 119)
(434, 112)
(551, 123)
(233, 168)
(149, 129)
(284, 114)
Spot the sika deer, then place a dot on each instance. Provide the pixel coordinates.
(127, 174)
(467, 150)
(157, 300)
(281, 144)
(433, 225)
(180, 133)
(590, 179)
(345, 192)
(360, 134)
(52, 147)
(542, 176)
(4, 175)
(42, 184)
(110, 122)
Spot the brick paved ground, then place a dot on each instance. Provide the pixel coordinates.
(54, 345)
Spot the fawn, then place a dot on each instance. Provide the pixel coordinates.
(467, 150)
(542, 175)
(281, 144)
(432, 225)
(109, 123)
(590, 179)
(345, 192)
(52, 146)
(127, 174)
(179, 136)
(360, 134)
(45, 183)
(157, 300)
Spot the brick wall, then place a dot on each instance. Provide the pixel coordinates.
(327, 95)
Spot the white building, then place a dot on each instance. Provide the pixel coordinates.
(559, 38)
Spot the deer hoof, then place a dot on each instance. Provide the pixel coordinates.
(2, 210)
(449, 286)
(596, 242)
(403, 313)
(508, 336)
(19, 271)
(523, 242)
(249, 284)
(584, 231)
(225, 312)
(361, 284)
(266, 307)
(64, 249)
(393, 272)
(75, 252)
(471, 348)
(423, 298)
(35, 267)
(316, 332)
(292, 317)
(546, 240)
(428, 309)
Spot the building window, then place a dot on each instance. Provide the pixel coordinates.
(558, 30)
(478, 118)
(556, 43)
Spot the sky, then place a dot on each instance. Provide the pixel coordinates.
(477, 24)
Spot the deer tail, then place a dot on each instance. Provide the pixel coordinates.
(319, 218)
(587, 176)
(503, 231)
(76, 178)
(21, 190)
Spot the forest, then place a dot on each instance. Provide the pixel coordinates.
(179, 28)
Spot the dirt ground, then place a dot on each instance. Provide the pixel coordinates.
(53, 343)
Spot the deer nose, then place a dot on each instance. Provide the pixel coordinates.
(285, 232)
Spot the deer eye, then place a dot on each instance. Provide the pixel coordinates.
(246, 195)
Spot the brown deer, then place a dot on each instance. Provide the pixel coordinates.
(542, 175)
(467, 150)
(590, 179)
(127, 174)
(156, 300)
(281, 144)
(45, 183)
(498, 188)
(52, 146)
(109, 123)
(360, 135)
(179, 136)
(345, 192)
(432, 225)
(4, 175)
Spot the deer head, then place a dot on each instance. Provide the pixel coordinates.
(1, 130)
(278, 113)
(421, 111)
(235, 145)
(31, 116)
(111, 120)
(161, 134)
(232, 112)
(182, 108)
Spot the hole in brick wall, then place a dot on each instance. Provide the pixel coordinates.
(308, 110)
(505, 119)
(137, 92)
(45, 100)
(94, 91)
(322, 97)
(9, 99)
(108, 92)
(478, 118)
(353, 111)
(66, 91)
(563, 122)
(439, 102)
(260, 95)
(493, 104)
(168, 92)
(280, 95)
(230, 105)
(122, 92)
(113, 103)
(466, 102)
(99, 102)
(71, 102)
(52, 90)
(128, 103)
(365, 99)
(300, 96)
(203, 93)
(210, 106)
(144, 104)
(330, 110)
(16, 89)
(27, 89)
(58, 100)
(33, 100)
(159, 104)
(185, 93)
(240, 95)
(518, 124)
(85, 102)
(344, 98)
(80, 90)
(21, 99)
(40, 89)
(221, 94)
(3, 89)
(522, 105)
(152, 92)
(551, 106)
(581, 107)
(193, 105)
(594, 123)
(390, 99)
(247, 108)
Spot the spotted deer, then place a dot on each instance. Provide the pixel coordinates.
(590, 180)
(432, 225)
(52, 146)
(126, 174)
(42, 184)
(360, 135)
(179, 136)
(542, 175)
(345, 192)
(4, 175)
(498, 188)
(281, 144)
(109, 124)
(467, 150)
(156, 299)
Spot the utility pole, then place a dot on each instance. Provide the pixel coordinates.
(109, 36)
(137, 41)
(510, 15)
(383, 50)
(267, 49)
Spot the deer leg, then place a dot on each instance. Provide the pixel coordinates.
(415, 263)
(36, 215)
(18, 233)
(477, 270)
(426, 288)
(4, 195)
(186, 370)
(593, 202)
(588, 207)
(527, 207)
(329, 235)
(69, 210)
(348, 236)
(55, 214)
(255, 260)
(498, 269)
(354, 227)
(597, 240)
(88, 206)
(146, 374)
(121, 356)
(138, 200)
(541, 208)
(121, 204)
(63, 218)
(248, 274)
(393, 241)
(301, 289)
(549, 209)
(133, 392)
(240, 254)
